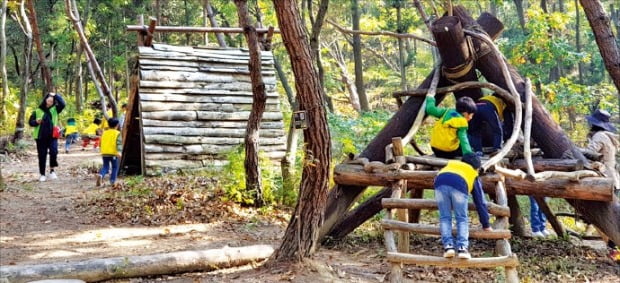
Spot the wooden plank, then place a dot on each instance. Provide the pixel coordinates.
(477, 233)
(204, 92)
(432, 204)
(230, 85)
(272, 98)
(210, 132)
(181, 140)
(201, 157)
(200, 77)
(210, 124)
(205, 115)
(147, 62)
(480, 262)
(150, 106)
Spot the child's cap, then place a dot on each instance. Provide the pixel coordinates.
(113, 122)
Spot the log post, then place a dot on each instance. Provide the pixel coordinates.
(516, 219)
(503, 246)
(456, 54)
(341, 197)
(557, 226)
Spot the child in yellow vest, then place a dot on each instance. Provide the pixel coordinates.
(453, 185)
(71, 133)
(449, 133)
(91, 133)
(111, 147)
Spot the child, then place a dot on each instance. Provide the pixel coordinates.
(450, 131)
(452, 187)
(92, 132)
(538, 220)
(487, 123)
(111, 146)
(71, 133)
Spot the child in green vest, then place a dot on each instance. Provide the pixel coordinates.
(449, 135)
(111, 147)
(46, 132)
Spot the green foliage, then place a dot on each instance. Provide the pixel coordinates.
(233, 179)
(351, 135)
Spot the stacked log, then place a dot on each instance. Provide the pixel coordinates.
(194, 106)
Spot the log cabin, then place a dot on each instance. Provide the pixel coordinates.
(189, 106)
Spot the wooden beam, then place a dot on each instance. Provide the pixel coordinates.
(481, 262)
(142, 28)
(476, 233)
(148, 40)
(549, 164)
(432, 204)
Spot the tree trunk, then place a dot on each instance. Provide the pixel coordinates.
(401, 49)
(288, 161)
(45, 72)
(252, 169)
(317, 25)
(94, 270)
(607, 45)
(516, 219)
(578, 39)
(357, 57)
(23, 92)
(520, 13)
(219, 36)
(301, 237)
(104, 88)
(5, 79)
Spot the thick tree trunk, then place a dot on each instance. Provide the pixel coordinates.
(252, 169)
(357, 57)
(607, 45)
(94, 270)
(45, 72)
(301, 237)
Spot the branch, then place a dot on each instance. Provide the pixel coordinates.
(385, 33)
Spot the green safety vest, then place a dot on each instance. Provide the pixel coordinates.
(38, 114)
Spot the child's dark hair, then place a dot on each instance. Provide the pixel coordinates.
(113, 122)
(466, 104)
(471, 159)
(71, 120)
(97, 121)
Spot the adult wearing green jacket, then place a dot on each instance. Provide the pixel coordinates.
(44, 119)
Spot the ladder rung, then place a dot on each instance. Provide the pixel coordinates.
(479, 262)
(493, 208)
(434, 230)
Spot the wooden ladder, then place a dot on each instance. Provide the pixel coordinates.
(397, 228)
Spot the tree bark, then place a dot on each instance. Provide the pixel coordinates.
(520, 13)
(45, 72)
(94, 270)
(218, 35)
(301, 237)
(607, 45)
(103, 87)
(578, 40)
(317, 25)
(5, 79)
(401, 47)
(357, 57)
(253, 180)
(23, 92)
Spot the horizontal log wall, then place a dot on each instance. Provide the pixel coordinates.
(195, 103)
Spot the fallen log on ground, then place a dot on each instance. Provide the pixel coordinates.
(138, 266)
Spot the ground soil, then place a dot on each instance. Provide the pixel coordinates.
(59, 221)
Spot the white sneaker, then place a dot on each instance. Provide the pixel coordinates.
(42, 178)
(546, 233)
(53, 176)
(538, 234)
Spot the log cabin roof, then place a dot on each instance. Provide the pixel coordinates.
(189, 106)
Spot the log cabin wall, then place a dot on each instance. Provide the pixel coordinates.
(192, 107)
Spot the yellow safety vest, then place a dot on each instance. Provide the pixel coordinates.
(443, 135)
(499, 103)
(108, 142)
(91, 130)
(70, 129)
(462, 169)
